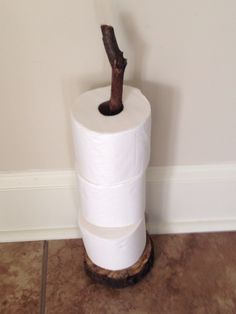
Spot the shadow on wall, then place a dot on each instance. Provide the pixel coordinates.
(165, 102)
(164, 99)
(137, 47)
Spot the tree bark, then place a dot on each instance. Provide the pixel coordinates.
(118, 64)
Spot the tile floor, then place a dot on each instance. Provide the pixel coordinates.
(193, 273)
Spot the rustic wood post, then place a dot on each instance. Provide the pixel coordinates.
(118, 64)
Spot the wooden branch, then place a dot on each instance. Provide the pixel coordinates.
(118, 64)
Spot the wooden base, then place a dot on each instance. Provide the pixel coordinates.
(125, 277)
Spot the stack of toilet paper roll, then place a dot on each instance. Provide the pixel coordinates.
(112, 154)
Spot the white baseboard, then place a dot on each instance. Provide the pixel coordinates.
(43, 205)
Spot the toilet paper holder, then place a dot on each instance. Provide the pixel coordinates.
(133, 274)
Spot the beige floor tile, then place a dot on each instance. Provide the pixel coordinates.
(192, 274)
(20, 277)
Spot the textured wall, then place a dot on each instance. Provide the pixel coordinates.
(180, 53)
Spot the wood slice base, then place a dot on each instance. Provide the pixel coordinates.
(125, 277)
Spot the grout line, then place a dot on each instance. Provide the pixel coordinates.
(44, 278)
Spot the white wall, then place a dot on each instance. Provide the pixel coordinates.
(180, 53)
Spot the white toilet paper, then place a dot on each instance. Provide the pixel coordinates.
(111, 149)
(113, 248)
(113, 206)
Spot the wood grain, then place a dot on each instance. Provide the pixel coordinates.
(125, 277)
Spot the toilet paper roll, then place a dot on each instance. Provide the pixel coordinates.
(113, 206)
(111, 149)
(113, 248)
